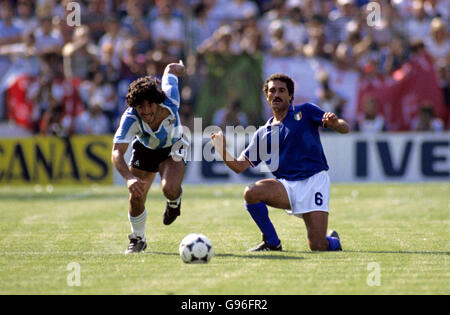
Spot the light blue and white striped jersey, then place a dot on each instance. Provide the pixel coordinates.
(170, 130)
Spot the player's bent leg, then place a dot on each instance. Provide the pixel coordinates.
(269, 191)
(257, 196)
(172, 174)
(137, 202)
(137, 214)
(316, 225)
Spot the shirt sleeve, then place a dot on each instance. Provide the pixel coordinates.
(315, 113)
(170, 87)
(251, 153)
(127, 130)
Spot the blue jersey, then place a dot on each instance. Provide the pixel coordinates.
(293, 145)
(170, 130)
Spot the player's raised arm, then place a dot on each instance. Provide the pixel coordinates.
(330, 120)
(236, 165)
(169, 82)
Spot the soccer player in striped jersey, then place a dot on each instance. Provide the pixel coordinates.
(301, 185)
(152, 124)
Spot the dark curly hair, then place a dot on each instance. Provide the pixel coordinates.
(283, 78)
(145, 88)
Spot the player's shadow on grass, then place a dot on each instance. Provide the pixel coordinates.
(269, 256)
(406, 252)
(249, 256)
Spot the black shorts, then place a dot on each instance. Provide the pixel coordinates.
(147, 159)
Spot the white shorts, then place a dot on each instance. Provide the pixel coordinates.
(311, 194)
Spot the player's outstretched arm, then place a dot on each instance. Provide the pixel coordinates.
(330, 120)
(236, 165)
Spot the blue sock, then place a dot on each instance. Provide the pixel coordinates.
(260, 215)
(335, 244)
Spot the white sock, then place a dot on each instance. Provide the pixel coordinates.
(138, 224)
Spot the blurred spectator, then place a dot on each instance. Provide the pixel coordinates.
(317, 45)
(53, 97)
(103, 93)
(370, 121)
(389, 26)
(345, 12)
(427, 121)
(136, 27)
(278, 12)
(418, 27)
(201, 26)
(25, 18)
(112, 44)
(10, 33)
(80, 55)
(251, 40)
(96, 18)
(53, 122)
(295, 29)
(353, 47)
(393, 56)
(240, 9)
(48, 39)
(231, 115)
(92, 121)
(218, 10)
(176, 6)
(167, 27)
(443, 70)
(133, 61)
(160, 57)
(223, 41)
(438, 44)
(329, 100)
(437, 8)
(23, 56)
(279, 45)
(43, 94)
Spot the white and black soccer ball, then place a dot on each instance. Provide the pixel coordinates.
(196, 249)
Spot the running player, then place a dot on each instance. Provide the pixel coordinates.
(152, 124)
(302, 184)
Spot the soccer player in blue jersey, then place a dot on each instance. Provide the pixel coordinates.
(301, 185)
(152, 124)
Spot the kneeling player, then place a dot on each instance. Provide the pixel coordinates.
(153, 125)
(302, 185)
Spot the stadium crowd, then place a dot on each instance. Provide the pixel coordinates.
(80, 74)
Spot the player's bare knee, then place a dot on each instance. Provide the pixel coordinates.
(251, 194)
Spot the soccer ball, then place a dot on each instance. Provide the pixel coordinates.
(196, 249)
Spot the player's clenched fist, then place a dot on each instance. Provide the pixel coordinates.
(176, 68)
(330, 119)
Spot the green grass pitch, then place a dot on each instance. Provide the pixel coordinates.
(396, 240)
